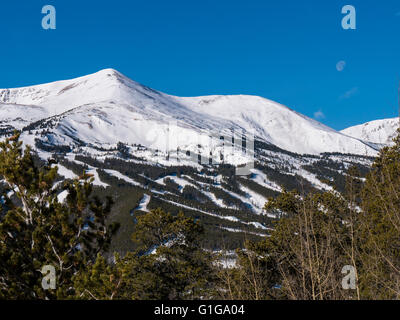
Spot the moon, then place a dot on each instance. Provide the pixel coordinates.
(340, 65)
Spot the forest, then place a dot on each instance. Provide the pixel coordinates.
(341, 244)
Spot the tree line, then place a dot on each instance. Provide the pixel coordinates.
(318, 235)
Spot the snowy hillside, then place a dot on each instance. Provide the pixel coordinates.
(107, 107)
(378, 131)
(277, 124)
(143, 146)
(18, 116)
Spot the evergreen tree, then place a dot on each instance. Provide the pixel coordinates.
(168, 264)
(37, 230)
(305, 253)
(318, 233)
(178, 265)
(380, 221)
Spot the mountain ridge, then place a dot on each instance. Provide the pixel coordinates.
(381, 131)
(118, 109)
(143, 147)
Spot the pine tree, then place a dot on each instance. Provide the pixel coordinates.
(171, 256)
(380, 221)
(169, 264)
(37, 230)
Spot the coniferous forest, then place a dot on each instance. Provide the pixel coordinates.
(327, 245)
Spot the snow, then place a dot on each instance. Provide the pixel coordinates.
(256, 200)
(92, 170)
(62, 196)
(262, 179)
(226, 258)
(213, 198)
(227, 263)
(63, 171)
(107, 107)
(96, 181)
(202, 211)
(243, 231)
(276, 124)
(312, 178)
(229, 218)
(58, 97)
(143, 203)
(180, 181)
(258, 225)
(378, 131)
(119, 175)
(19, 116)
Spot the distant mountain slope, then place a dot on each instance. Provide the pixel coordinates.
(126, 136)
(107, 107)
(277, 124)
(18, 116)
(378, 131)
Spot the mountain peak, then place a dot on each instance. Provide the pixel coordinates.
(108, 72)
(101, 76)
(106, 107)
(63, 95)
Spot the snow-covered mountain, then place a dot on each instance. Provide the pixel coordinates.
(104, 108)
(378, 131)
(129, 136)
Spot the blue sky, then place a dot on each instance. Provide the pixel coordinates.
(283, 50)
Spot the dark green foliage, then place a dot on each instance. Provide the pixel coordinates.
(300, 256)
(168, 264)
(380, 225)
(193, 194)
(228, 199)
(319, 233)
(39, 231)
(247, 182)
(51, 148)
(123, 150)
